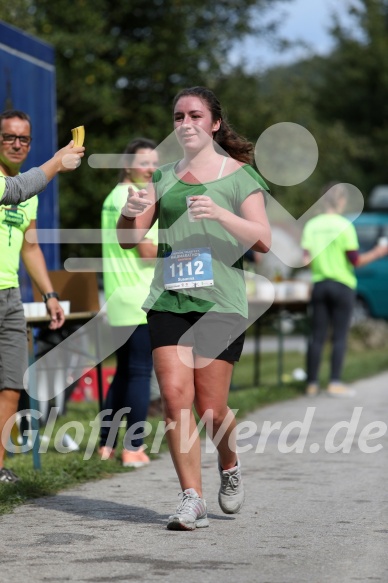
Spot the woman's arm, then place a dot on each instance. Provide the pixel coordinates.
(252, 228)
(137, 217)
(147, 249)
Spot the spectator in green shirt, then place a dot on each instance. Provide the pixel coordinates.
(330, 242)
(127, 277)
(18, 211)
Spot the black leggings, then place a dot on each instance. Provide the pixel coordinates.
(332, 304)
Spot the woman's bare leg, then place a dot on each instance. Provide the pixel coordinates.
(176, 381)
(212, 383)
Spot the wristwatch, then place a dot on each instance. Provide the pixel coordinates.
(49, 295)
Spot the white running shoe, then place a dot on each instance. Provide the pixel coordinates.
(231, 494)
(190, 514)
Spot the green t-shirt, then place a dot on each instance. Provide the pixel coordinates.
(177, 234)
(14, 220)
(327, 238)
(126, 275)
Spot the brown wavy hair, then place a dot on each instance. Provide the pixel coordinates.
(236, 146)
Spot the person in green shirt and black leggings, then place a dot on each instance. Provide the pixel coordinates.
(330, 242)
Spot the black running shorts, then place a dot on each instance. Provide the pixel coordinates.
(213, 334)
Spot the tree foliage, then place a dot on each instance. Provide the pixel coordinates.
(119, 64)
(341, 98)
(354, 87)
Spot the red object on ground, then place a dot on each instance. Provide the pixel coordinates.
(87, 386)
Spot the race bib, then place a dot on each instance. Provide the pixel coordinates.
(188, 268)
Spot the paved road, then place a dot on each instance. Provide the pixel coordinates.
(311, 517)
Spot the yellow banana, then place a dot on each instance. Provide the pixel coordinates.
(78, 135)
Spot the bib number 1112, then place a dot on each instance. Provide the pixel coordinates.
(188, 268)
(181, 269)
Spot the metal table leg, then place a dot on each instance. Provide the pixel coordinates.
(33, 393)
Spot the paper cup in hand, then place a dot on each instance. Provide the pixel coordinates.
(189, 202)
(383, 241)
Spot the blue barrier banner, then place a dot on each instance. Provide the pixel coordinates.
(27, 82)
